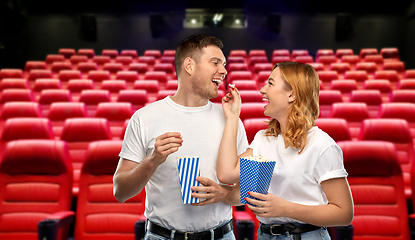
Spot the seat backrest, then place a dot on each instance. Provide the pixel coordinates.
(253, 125)
(375, 179)
(343, 85)
(358, 75)
(383, 85)
(237, 67)
(35, 181)
(370, 97)
(20, 109)
(239, 75)
(327, 76)
(252, 110)
(367, 51)
(340, 52)
(156, 75)
(46, 83)
(98, 213)
(99, 75)
(129, 52)
(133, 96)
(113, 67)
(406, 84)
(153, 53)
(34, 65)
(250, 96)
(61, 111)
(398, 110)
(39, 73)
(49, 96)
(114, 111)
(86, 130)
(128, 76)
(78, 85)
(165, 67)
(390, 53)
(151, 86)
(67, 52)
(66, 75)
(14, 83)
(27, 128)
(328, 97)
(112, 53)
(114, 86)
(16, 95)
(391, 75)
(94, 96)
(336, 128)
(405, 95)
(89, 52)
(352, 112)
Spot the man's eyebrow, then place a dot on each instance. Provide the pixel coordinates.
(219, 59)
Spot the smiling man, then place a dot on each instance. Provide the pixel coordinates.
(186, 124)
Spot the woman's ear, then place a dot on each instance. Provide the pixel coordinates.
(291, 97)
(189, 65)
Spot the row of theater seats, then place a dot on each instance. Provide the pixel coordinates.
(36, 174)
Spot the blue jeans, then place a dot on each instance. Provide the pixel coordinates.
(319, 234)
(152, 236)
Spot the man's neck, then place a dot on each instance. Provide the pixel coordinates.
(186, 99)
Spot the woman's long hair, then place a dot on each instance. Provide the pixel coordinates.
(302, 113)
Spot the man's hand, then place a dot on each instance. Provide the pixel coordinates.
(165, 145)
(211, 191)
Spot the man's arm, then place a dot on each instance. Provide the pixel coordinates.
(131, 177)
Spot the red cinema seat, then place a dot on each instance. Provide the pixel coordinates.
(78, 133)
(66, 75)
(151, 86)
(262, 67)
(93, 97)
(99, 75)
(391, 75)
(299, 52)
(340, 67)
(243, 85)
(376, 58)
(140, 68)
(375, 179)
(16, 95)
(34, 65)
(11, 73)
(401, 111)
(78, 85)
(410, 73)
(252, 110)
(152, 53)
(327, 76)
(160, 76)
(238, 53)
(167, 59)
(116, 113)
(253, 125)
(405, 95)
(250, 96)
(51, 58)
(128, 76)
(67, 52)
(336, 128)
(256, 59)
(165, 93)
(138, 98)
(359, 75)
(27, 128)
(14, 83)
(398, 66)
(281, 52)
(124, 60)
(262, 78)
(383, 86)
(39, 73)
(35, 188)
(372, 98)
(257, 53)
(239, 75)
(113, 67)
(49, 96)
(164, 67)
(98, 213)
(85, 67)
(237, 67)
(114, 86)
(390, 54)
(56, 67)
(304, 59)
(41, 84)
(369, 67)
(327, 61)
(324, 52)
(326, 99)
(343, 85)
(149, 60)
(235, 59)
(171, 84)
(77, 59)
(129, 53)
(60, 111)
(406, 84)
(317, 66)
(169, 53)
(343, 52)
(395, 131)
(112, 53)
(90, 53)
(367, 51)
(101, 61)
(354, 113)
(278, 59)
(350, 59)
(20, 109)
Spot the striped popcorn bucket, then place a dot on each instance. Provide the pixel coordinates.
(188, 171)
(255, 176)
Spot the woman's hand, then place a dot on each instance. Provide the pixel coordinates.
(231, 102)
(268, 206)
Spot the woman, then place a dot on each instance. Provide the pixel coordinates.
(308, 190)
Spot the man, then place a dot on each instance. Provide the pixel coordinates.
(186, 124)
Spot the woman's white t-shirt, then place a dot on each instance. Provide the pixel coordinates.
(297, 177)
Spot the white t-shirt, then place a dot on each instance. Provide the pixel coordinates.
(202, 129)
(297, 177)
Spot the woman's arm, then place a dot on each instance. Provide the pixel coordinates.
(338, 212)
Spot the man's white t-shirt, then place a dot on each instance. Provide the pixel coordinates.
(202, 129)
(297, 177)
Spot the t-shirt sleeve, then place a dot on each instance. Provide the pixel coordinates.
(132, 147)
(330, 164)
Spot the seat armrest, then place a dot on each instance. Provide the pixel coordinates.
(49, 227)
(140, 228)
(341, 232)
(244, 225)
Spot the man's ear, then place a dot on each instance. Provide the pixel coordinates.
(291, 97)
(189, 65)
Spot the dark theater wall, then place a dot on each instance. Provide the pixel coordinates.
(127, 26)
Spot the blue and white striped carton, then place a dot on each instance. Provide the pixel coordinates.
(188, 171)
(256, 173)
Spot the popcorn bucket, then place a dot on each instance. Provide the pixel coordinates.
(256, 173)
(188, 171)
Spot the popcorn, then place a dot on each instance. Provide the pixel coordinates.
(231, 85)
(256, 173)
(188, 171)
